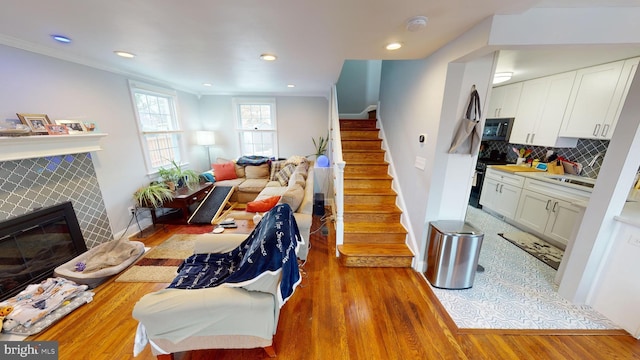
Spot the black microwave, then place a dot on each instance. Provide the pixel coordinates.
(497, 129)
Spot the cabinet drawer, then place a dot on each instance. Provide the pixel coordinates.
(558, 191)
(505, 178)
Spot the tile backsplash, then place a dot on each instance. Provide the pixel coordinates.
(585, 151)
(34, 183)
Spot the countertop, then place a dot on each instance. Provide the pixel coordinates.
(630, 212)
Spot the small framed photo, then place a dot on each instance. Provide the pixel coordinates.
(74, 126)
(57, 129)
(37, 122)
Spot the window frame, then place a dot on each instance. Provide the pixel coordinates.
(237, 102)
(178, 143)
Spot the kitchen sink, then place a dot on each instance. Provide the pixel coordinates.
(565, 179)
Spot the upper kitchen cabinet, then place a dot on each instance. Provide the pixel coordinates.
(597, 98)
(504, 101)
(540, 111)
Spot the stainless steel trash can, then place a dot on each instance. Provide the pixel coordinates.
(452, 254)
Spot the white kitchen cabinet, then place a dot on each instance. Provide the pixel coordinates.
(540, 111)
(547, 215)
(501, 192)
(504, 101)
(597, 98)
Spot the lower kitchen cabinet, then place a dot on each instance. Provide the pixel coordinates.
(547, 215)
(501, 192)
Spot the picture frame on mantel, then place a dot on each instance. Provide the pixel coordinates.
(57, 129)
(37, 122)
(74, 126)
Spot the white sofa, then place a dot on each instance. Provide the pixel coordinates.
(176, 320)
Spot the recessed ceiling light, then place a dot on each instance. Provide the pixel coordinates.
(501, 77)
(125, 54)
(291, 86)
(268, 57)
(61, 38)
(207, 84)
(394, 46)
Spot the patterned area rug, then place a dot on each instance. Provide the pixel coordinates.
(160, 263)
(538, 248)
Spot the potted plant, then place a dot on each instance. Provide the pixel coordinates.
(320, 145)
(176, 177)
(153, 195)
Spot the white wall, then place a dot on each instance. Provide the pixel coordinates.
(412, 96)
(358, 85)
(299, 119)
(33, 83)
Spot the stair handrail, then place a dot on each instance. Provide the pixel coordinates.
(338, 167)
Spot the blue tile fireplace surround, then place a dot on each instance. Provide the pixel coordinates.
(29, 184)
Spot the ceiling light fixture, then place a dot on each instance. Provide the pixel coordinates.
(268, 57)
(394, 46)
(61, 39)
(417, 23)
(207, 84)
(125, 54)
(501, 77)
(291, 86)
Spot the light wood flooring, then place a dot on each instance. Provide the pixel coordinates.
(338, 313)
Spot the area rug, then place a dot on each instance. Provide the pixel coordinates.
(536, 247)
(161, 262)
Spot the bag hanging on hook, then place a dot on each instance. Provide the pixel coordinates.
(466, 139)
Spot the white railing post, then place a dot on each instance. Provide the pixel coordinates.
(338, 168)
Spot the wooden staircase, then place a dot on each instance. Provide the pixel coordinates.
(373, 235)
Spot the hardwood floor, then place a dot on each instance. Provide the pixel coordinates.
(337, 313)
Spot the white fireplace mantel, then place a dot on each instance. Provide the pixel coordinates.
(29, 147)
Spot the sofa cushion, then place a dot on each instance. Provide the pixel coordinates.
(273, 184)
(296, 159)
(231, 182)
(297, 178)
(284, 174)
(302, 168)
(262, 205)
(239, 168)
(257, 171)
(293, 196)
(225, 171)
(253, 185)
(276, 166)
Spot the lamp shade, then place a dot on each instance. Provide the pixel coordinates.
(205, 138)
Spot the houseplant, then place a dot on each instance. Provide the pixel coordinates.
(176, 177)
(320, 145)
(153, 195)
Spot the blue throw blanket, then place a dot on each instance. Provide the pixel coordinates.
(270, 248)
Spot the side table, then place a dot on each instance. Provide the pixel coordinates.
(183, 199)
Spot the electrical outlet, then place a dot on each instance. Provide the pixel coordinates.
(132, 210)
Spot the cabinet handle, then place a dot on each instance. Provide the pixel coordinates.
(554, 206)
(527, 141)
(596, 130)
(532, 136)
(194, 198)
(605, 130)
(501, 186)
(548, 202)
(497, 186)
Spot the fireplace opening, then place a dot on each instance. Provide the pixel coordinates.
(34, 244)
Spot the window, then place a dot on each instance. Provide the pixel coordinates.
(158, 125)
(256, 126)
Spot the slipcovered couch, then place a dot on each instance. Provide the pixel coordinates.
(256, 185)
(244, 315)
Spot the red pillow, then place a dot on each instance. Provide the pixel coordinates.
(262, 205)
(225, 171)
